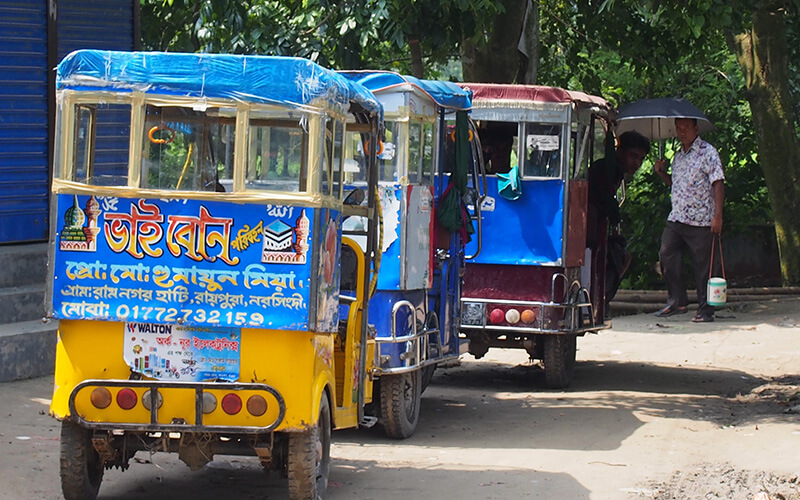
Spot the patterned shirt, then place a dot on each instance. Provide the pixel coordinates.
(693, 173)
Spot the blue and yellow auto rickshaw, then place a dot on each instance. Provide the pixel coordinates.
(538, 282)
(196, 240)
(415, 307)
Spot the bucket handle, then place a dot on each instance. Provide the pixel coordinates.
(716, 238)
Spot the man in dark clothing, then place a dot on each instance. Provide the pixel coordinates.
(605, 177)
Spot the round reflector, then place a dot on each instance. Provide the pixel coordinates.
(256, 405)
(209, 402)
(100, 397)
(496, 316)
(126, 398)
(146, 399)
(231, 403)
(528, 316)
(512, 316)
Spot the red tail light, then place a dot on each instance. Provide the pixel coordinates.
(497, 316)
(231, 403)
(126, 398)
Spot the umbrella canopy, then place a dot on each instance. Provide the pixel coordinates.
(655, 118)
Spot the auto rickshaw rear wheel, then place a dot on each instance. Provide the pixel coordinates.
(309, 457)
(81, 466)
(400, 398)
(431, 323)
(559, 359)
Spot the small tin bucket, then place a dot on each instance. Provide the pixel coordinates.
(717, 291)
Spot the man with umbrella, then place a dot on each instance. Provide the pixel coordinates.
(697, 197)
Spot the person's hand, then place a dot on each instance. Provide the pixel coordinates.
(660, 166)
(716, 224)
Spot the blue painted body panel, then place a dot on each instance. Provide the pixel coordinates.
(526, 231)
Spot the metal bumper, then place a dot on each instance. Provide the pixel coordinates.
(414, 347)
(156, 426)
(573, 315)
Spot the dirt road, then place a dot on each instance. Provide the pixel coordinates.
(659, 408)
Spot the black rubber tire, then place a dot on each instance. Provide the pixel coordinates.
(559, 360)
(309, 457)
(427, 376)
(400, 401)
(81, 468)
(431, 323)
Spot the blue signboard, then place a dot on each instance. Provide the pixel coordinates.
(187, 262)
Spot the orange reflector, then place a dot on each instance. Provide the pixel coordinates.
(100, 397)
(126, 398)
(256, 405)
(231, 403)
(528, 316)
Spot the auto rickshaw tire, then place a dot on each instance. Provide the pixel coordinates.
(559, 360)
(400, 401)
(427, 376)
(309, 457)
(80, 464)
(431, 323)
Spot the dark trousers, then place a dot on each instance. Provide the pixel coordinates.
(697, 239)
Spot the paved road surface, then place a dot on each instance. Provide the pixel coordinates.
(658, 409)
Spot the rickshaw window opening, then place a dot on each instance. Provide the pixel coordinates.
(100, 144)
(542, 150)
(199, 152)
(276, 155)
(499, 142)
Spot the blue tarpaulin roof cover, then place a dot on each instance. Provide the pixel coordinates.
(445, 94)
(260, 79)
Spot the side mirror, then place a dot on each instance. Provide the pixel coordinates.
(356, 197)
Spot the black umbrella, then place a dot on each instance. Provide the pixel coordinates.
(655, 118)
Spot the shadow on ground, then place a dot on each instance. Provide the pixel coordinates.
(494, 405)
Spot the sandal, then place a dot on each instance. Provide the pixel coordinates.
(703, 318)
(671, 310)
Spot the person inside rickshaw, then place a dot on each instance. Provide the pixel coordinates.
(497, 142)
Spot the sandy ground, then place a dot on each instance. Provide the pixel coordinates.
(659, 408)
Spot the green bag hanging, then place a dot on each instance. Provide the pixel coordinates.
(451, 212)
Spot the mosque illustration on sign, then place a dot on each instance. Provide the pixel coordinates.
(284, 243)
(80, 229)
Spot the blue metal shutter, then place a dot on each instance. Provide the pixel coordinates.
(89, 24)
(106, 25)
(23, 121)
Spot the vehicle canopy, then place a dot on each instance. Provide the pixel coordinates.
(447, 95)
(286, 81)
(497, 95)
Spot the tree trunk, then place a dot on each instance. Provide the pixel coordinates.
(762, 54)
(529, 44)
(417, 68)
(493, 57)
